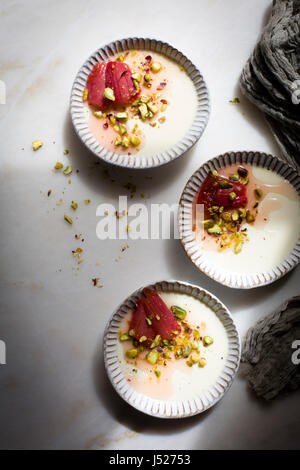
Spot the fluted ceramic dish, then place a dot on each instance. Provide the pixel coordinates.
(185, 220)
(79, 117)
(167, 408)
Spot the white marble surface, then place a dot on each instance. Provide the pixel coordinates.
(53, 390)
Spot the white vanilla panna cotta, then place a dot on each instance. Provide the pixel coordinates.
(173, 94)
(173, 379)
(270, 239)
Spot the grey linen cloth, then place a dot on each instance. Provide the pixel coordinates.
(268, 350)
(271, 77)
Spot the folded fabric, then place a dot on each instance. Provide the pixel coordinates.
(269, 349)
(271, 77)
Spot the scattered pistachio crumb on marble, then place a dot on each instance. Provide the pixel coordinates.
(37, 144)
(68, 219)
(235, 100)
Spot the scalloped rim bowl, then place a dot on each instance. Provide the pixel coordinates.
(187, 236)
(104, 53)
(165, 408)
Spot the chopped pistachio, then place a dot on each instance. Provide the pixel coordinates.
(98, 114)
(156, 342)
(249, 217)
(186, 351)
(135, 141)
(242, 212)
(87, 201)
(208, 223)
(137, 76)
(74, 205)
(202, 362)
(238, 247)
(109, 94)
(66, 152)
(226, 216)
(157, 373)
(207, 340)
(125, 142)
(37, 144)
(225, 184)
(120, 58)
(214, 173)
(123, 115)
(118, 141)
(142, 339)
(124, 337)
(179, 312)
(234, 177)
(144, 99)
(196, 334)
(85, 94)
(246, 181)
(113, 120)
(163, 107)
(235, 216)
(68, 219)
(131, 333)
(258, 192)
(148, 321)
(152, 357)
(178, 353)
(215, 230)
(193, 359)
(147, 77)
(132, 353)
(235, 100)
(156, 67)
(153, 108)
(58, 166)
(122, 129)
(232, 196)
(143, 111)
(68, 170)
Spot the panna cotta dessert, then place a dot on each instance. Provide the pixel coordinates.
(139, 103)
(171, 346)
(246, 219)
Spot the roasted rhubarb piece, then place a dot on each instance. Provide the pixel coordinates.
(119, 79)
(96, 86)
(232, 197)
(140, 326)
(222, 192)
(163, 320)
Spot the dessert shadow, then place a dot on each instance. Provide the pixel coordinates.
(110, 180)
(129, 416)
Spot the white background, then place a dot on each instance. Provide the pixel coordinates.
(53, 390)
